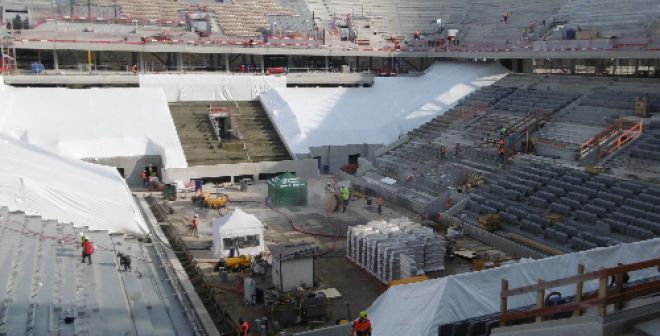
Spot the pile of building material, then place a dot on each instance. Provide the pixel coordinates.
(395, 249)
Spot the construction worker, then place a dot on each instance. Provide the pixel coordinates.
(501, 151)
(457, 149)
(345, 196)
(87, 251)
(443, 151)
(379, 202)
(134, 69)
(145, 178)
(193, 226)
(361, 326)
(244, 327)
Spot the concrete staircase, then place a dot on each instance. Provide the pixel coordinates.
(259, 141)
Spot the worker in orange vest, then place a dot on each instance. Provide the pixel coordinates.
(244, 327)
(361, 326)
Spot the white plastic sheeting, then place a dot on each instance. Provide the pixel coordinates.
(39, 182)
(419, 309)
(92, 123)
(239, 225)
(308, 117)
(211, 87)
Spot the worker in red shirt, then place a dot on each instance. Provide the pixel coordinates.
(145, 178)
(244, 327)
(193, 226)
(87, 250)
(501, 151)
(361, 326)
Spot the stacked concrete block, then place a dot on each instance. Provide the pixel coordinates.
(395, 249)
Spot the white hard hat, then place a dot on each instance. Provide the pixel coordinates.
(196, 215)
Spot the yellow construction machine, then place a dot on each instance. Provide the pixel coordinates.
(205, 200)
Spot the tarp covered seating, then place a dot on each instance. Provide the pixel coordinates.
(237, 228)
(68, 190)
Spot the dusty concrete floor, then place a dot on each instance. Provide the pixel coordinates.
(332, 269)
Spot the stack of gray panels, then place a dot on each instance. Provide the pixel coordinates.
(395, 249)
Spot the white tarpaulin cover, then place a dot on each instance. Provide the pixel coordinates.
(211, 87)
(39, 182)
(378, 115)
(92, 123)
(238, 224)
(419, 309)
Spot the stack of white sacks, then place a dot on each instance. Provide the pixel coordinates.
(395, 249)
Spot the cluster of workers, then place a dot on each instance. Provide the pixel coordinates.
(88, 250)
(360, 327)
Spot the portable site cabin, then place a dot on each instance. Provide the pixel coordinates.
(240, 231)
(287, 190)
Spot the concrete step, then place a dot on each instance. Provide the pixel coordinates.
(648, 328)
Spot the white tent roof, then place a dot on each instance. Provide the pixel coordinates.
(237, 224)
(92, 123)
(378, 115)
(419, 309)
(211, 86)
(42, 183)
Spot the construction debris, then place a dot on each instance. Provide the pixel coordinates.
(395, 249)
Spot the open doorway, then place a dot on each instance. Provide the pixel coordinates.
(318, 161)
(121, 172)
(151, 170)
(353, 159)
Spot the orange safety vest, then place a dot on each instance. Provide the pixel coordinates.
(361, 325)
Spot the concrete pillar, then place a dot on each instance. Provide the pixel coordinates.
(56, 65)
(327, 63)
(226, 62)
(572, 67)
(636, 66)
(289, 61)
(262, 64)
(179, 61)
(141, 64)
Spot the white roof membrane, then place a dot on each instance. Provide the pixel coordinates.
(393, 106)
(42, 183)
(93, 123)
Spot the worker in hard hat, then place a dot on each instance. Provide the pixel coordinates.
(361, 326)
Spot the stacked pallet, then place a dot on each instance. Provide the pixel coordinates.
(395, 249)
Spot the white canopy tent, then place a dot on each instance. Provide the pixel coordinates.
(420, 308)
(310, 117)
(211, 86)
(42, 183)
(241, 228)
(93, 123)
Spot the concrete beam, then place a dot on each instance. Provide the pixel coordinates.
(204, 49)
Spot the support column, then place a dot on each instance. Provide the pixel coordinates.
(327, 64)
(227, 63)
(179, 61)
(262, 64)
(141, 62)
(56, 65)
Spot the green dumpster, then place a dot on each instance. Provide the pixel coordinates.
(287, 190)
